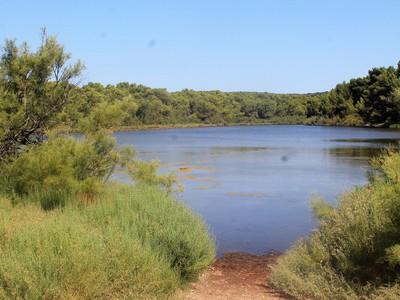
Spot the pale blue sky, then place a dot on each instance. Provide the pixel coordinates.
(275, 46)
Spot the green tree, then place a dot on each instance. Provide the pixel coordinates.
(34, 88)
(153, 112)
(341, 101)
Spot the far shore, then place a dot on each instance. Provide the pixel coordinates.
(202, 125)
(150, 127)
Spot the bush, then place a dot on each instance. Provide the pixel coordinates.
(146, 173)
(166, 226)
(135, 243)
(354, 254)
(61, 166)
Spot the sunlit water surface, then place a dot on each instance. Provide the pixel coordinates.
(253, 184)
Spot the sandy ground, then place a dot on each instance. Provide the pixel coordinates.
(235, 276)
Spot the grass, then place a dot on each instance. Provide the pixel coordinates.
(355, 252)
(133, 243)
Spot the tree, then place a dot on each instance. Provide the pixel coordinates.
(342, 103)
(266, 109)
(203, 110)
(153, 111)
(34, 88)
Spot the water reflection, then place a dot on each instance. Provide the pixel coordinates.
(375, 141)
(354, 152)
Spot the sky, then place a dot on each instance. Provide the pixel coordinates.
(281, 46)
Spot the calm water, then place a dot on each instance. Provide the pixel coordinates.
(253, 185)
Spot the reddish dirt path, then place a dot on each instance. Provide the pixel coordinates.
(235, 276)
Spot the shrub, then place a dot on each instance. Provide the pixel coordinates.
(61, 166)
(353, 120)
(354, 254)
(166, 226)
(146, 173)
(136, 243)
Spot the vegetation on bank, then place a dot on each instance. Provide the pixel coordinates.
(132, 243)
(66, 232)
(355, 252)
(373, 100)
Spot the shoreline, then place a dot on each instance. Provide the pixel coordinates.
(150, 127)
(236, 276)
(201, 125)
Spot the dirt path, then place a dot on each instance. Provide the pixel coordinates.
(235, 276)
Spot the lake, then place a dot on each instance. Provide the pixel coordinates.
(253, 184)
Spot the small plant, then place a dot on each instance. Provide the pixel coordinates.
(52, 199)
(146, 173)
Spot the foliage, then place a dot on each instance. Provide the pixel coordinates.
(135, 243)
(34, 88)
(146, 173)
(354, 254)
(61, 166)
(372, 100)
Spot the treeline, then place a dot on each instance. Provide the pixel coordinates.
(134, 105)
(373, 100)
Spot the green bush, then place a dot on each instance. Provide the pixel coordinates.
(143, 172)
(354, 254)
(166, 226)
(136, 243)
(61, 166)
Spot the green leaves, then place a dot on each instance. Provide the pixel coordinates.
(146, 173)
(393, 255)
(34, 88)
(322, 209)
(109, 115)
(64, 165)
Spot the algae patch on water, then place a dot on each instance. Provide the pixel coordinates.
(237, 149)
(246, 195)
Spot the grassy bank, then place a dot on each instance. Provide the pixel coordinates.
(355, 253)
(132, 243)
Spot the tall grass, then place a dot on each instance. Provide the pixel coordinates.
(355, 253)
(133, 243)
(161, 223)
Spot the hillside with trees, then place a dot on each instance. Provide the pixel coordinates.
(373, 100)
